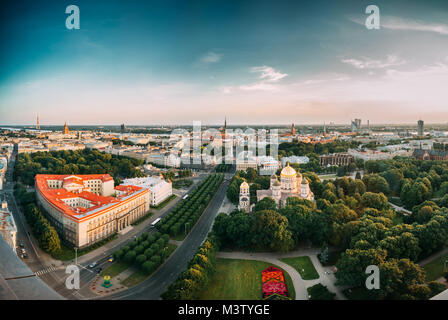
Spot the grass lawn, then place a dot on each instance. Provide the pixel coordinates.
(299, 263)
(68, 253)
(164, 203)
(434, 269)
(114, 269)
(239, 280)
(135, 278)
(139, 276)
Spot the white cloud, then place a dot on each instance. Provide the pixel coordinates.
(397, 23)
(269, 74)
(367, 63)
(210, 57)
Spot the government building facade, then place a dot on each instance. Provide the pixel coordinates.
(85, 209)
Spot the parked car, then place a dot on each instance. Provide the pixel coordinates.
(111, 259)
(24, 256)
(21, 245)
(92, 265)
(99, 270)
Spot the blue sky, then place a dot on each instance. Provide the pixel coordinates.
(170, 62)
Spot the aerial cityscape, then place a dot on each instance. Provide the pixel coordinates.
(225, 151)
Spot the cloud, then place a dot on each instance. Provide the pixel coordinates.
(269, 74)
(397, 23)
(210, 57)
(367, 63)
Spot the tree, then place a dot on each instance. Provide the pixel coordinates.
(265, 204)
(320, 292)
(130, 257)
(374, 200)
(375, 183)
(352, 265)
(270, 230)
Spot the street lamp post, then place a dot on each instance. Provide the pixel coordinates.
(76, 255)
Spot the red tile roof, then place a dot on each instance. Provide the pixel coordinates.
(56, 196)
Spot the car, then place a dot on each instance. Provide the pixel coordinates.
(111, 259)
(23, 250)
(21, 245)
(92, 265)
(99, 270)
(24, 256)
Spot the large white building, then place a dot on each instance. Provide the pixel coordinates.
(85, 209)
(291, 184)
(159, 189)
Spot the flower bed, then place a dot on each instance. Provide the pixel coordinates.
(273, 282)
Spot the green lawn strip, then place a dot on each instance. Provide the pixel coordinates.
(164, 203)
(304, 266)
(68, 253)
(434, 269)
(139, 275)
(114, 269)
(148, 215)
(240, 280)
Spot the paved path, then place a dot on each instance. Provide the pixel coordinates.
(326, 276)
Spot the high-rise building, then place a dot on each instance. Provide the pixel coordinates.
(356, 125)
(293, 130)
(123, 128)
(37, 123)
(420, 128)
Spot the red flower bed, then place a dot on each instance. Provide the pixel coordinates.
(273, 282)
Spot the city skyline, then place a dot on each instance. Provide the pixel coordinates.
(257, 63)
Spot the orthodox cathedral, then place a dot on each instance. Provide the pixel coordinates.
(291, 184)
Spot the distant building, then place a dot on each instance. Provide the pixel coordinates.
(335, 159)
(295, 160)
(356, 125)
(65, 131)
(8, 228)
(293, 130)
(422, 154)
(420, 131)
(159, 189)
(371, 154)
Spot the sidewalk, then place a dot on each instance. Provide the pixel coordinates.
(300, 285)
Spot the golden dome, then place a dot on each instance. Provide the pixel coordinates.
(288, 172)
(244, 185)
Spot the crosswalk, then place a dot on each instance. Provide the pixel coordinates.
(44, 271)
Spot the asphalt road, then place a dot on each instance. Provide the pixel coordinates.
(157, 283)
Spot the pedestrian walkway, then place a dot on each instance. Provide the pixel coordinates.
(326, 274)
(46, 270)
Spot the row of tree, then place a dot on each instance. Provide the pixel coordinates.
(45, 234)
(190, 284)
(183, 217)
(146, 252)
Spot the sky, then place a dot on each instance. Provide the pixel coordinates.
(255, 62)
